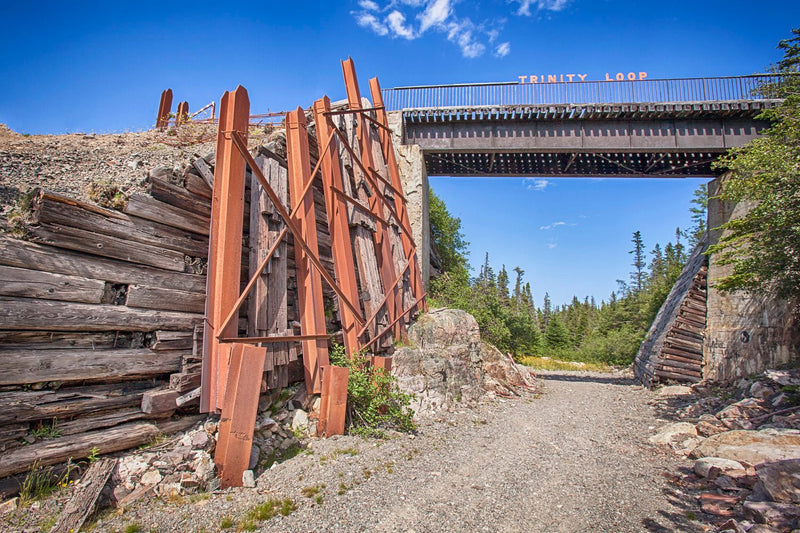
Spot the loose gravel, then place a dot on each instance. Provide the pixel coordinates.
(573, 458)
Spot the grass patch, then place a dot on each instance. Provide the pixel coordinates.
(41, 481)
(265, 511)
(45, 431)
(312, 490)
(546, 363)
(279, 456)
(133, 527)
(226, 522)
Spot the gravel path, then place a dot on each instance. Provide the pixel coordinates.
(574, 458)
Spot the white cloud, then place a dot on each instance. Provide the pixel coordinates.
(553, 225)
(435, 13)
(551, 245)
(540, 5)
(502, 49)
(369, 5)
(397, 23)
(536, 184)
(368, 20)
(411, 19)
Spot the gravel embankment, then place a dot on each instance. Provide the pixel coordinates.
(575, 458)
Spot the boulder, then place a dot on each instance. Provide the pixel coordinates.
(706, 465)
(674, 432)
(781, 480)
(709, 425)
(751, 446)
(782, 516)
(675, 390)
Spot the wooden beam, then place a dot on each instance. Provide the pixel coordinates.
(49, 286)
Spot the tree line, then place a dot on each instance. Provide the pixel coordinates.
(583, 330)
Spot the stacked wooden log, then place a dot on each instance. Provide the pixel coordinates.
(673, 348)
(99, 318)
(682, 352)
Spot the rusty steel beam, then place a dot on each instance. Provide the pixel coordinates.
(339, 227)
(182, 114)
(239, 410)
(225, 246)
(333, 404)
(383, 363)
(289, 220)
(382, 243)
(394, 175)
(309, 281)
(164, 108)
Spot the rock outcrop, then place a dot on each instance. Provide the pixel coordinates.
(448, 363)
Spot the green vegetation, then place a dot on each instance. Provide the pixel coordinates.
(374, 401)
(226, 522)
(763, 246)
(263, 511)
(312, 490)
(608, 333)
(42, 481)
(133, 527)
(45, 431)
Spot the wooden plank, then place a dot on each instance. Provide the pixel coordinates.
(697, 363)
(37, 284)
(25, 313)
(183, 382)
(166, 299)
(27, 406)
(694, 366)
(205, 171)
(195, 184)
(683, 353)
(692, 346)
(56, 340)
(110, 247)
(178, 197)
(159, 402)
(149, 208)
(37, 366)
(82, 424)
(23, 254)
(173, 340)
(60, 210)
(50, 452)
(84, 498)
(679, 370)
(679, 377)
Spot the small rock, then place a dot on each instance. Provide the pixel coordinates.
(709, 425)
(718, 504)
(675, 390)
(188, 481)
(151, 477)
(783, 516)
(300, 421)
(761, 528)
(9, 505)
(704, 465)
(203, 467)
(200, 440)
(248, 479)
(781, 480)
(255, 454)
(782, 377)
(286, 444)
(673, 433)
(169, 490)
(760, 390)
(733, 526)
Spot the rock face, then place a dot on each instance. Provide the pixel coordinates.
(752, 446)
(447, 362)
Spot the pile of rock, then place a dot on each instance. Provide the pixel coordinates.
(746, 449)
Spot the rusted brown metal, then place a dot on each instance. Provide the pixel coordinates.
(382, 243)
(333, 404)
(394, 174)
(182, 114)
(164, 108)
(309, 281)
(383, 363)
(225, 245)
(236, 424)
(339, 228)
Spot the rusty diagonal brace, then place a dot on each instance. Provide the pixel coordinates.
(386, 296)
(395, 321)
(358, 205)
(367, 174)
(289, 221)
(352, 111)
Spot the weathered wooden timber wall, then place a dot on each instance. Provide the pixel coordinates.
(673, 348)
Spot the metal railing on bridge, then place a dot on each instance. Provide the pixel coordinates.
(732, 88)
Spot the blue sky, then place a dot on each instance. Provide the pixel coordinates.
(100, 66)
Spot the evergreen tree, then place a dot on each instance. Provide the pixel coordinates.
(637, 276)
(502, 285)
(699, 214)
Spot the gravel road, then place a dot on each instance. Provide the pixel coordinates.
(574, 458)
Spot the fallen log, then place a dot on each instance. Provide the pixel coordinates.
(22, 367)
(24, 313)
(23, 254)
(83, 500)
(50, 452)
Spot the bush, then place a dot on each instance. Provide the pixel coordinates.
(374, 401)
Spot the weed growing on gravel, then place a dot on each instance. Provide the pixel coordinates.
(267, 510)
(41, 481)
(247, 525)
(312, 490)
(374, 400)
(133, 527)
(343, 487)
(318, 499)
(226, 522)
